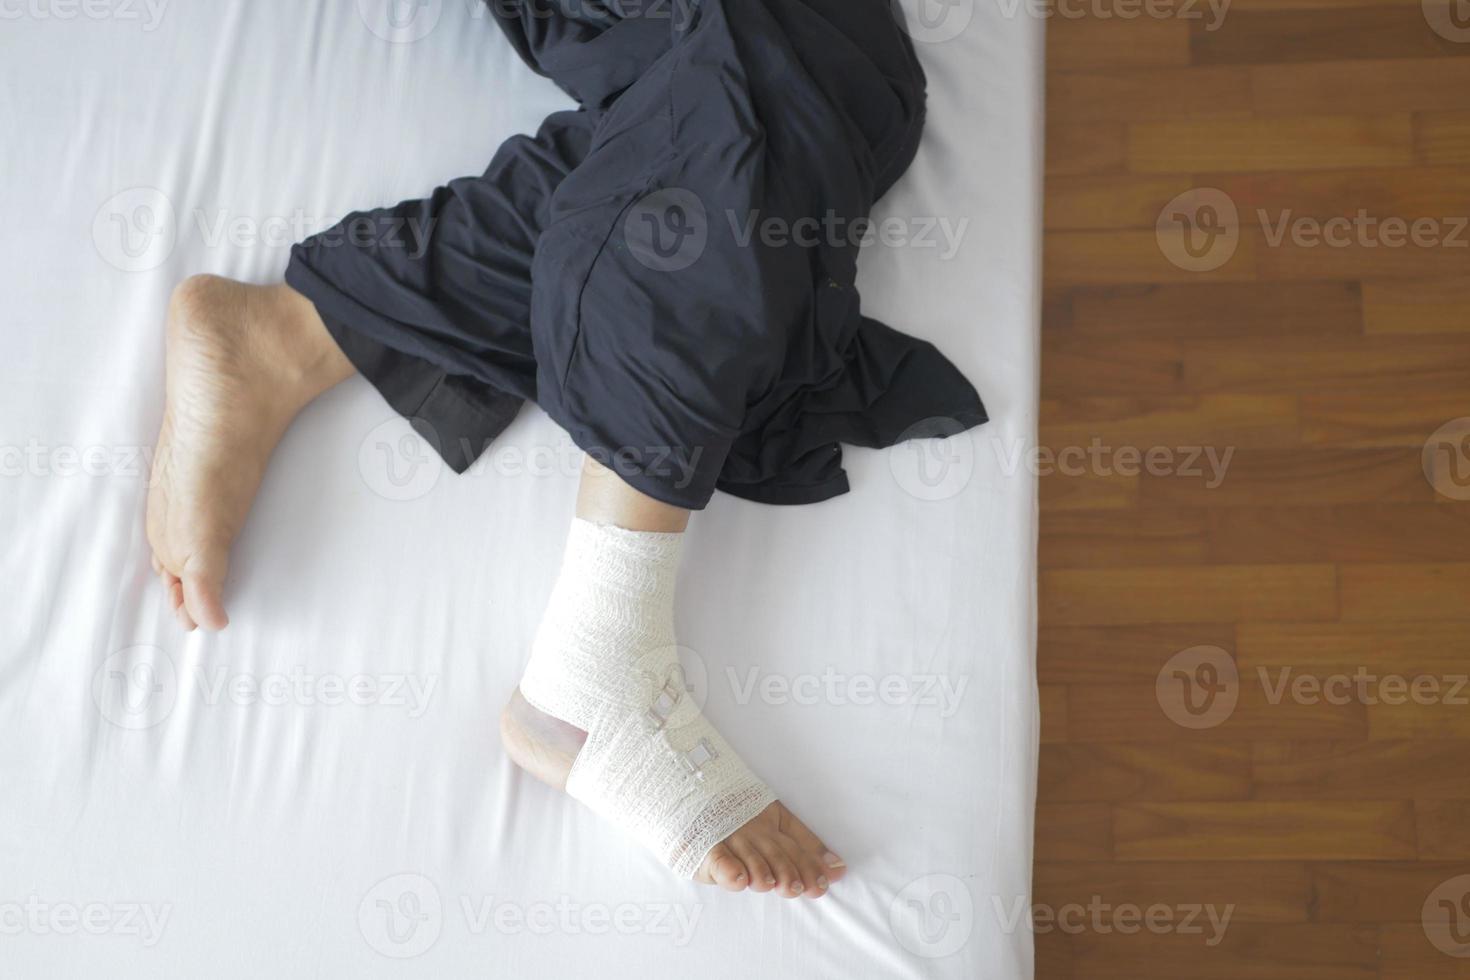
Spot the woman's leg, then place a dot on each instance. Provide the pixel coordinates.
(241, 362)
(604, 498)
(773, 851)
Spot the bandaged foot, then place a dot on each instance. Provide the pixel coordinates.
(604, 707)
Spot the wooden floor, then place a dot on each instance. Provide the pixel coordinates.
(1326, 824)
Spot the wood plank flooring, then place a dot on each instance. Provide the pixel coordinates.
(1257, 255)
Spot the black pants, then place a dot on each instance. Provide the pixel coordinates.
(669, 269)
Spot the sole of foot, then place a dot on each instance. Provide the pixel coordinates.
(240, 362)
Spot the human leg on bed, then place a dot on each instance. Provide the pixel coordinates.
(544, 280)
(241, 362)
(605, 657)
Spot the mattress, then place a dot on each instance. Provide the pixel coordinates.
(319, 791)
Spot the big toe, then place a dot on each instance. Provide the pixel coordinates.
(726, 870)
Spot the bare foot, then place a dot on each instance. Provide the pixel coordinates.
(241, 362)
(772, 852)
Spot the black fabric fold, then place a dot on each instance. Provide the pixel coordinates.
(614, 269)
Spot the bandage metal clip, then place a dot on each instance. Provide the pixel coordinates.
(698, 757)
(668, 699)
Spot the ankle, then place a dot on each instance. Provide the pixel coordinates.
(543, 746)
(604, 497)
(303, 354)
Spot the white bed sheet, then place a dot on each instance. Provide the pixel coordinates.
(241, 828)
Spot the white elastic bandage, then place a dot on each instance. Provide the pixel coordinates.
(605, 660)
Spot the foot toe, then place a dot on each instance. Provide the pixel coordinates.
(726, 869)
(831, 866)
(788, 877)
(175, 590)
(203, 580)
(762, 878)
(812, 873)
